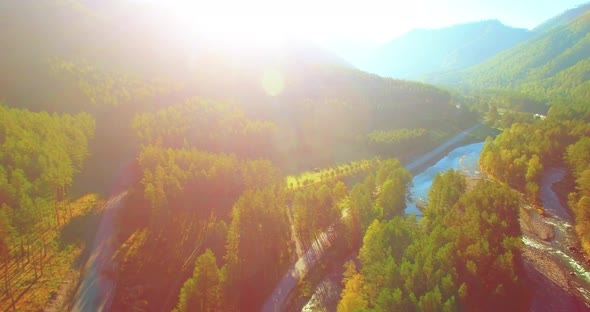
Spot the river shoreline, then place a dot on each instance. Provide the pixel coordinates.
(552, 288)
(334, 274)
(330, 295)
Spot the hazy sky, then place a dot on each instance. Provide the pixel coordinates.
(382, 20)
(370, 20)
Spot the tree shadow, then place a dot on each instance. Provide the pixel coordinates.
(80, 231)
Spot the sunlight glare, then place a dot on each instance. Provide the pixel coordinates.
(260, 23)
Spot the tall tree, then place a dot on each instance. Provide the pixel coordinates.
(201, 292)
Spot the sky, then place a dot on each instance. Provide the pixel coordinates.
(384, 20)
(367, 20)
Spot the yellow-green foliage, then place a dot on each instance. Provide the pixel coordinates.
(311, 177)
(129, 248)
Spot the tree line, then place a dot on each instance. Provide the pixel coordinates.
(399, 142)
(577, 157)
(208, 125)
(102, 87)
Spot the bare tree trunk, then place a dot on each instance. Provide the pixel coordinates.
(35, 267)
(7, 283)
(41, 259)
(22, 250)
(66, 201)
(55, 206)
(28, 250)
(6, 278)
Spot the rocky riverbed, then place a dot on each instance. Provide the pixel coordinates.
(554, 264)
(533, 225)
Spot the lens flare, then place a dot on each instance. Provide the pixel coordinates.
(272, 82)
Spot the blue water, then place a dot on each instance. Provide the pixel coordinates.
(464, 158)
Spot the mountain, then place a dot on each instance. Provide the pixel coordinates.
(118, 62)
(118, 38)
(555, 63)
(562, 18)
(423, 52)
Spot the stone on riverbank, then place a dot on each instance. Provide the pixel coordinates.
(532, 225)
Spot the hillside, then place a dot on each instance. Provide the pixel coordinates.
(89, 68)
(562, 18)
(553, 64)
(423, 52)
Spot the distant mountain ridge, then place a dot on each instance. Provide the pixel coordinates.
(555, 63)
(423, 52)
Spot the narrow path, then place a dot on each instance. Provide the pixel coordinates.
(98, 285)
(97, 288)
(323, 241)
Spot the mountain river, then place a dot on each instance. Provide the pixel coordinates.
(556, 275)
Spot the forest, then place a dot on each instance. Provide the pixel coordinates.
(213, 188)
(204, 172)
(462, 255)
(40, 153)
(518, 156)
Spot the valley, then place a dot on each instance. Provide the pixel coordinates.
(179, 156)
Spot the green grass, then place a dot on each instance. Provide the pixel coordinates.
(483, 131)
(326, 174)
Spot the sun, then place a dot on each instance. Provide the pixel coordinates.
(256, 23)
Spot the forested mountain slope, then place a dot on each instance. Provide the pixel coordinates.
(116, 62)
(562, 18)
(553, 64)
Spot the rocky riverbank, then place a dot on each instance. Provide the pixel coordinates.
(554, 265)
(532, 225)
(543, 280)
(546, 266)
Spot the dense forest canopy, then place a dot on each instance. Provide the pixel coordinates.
(40, 155)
